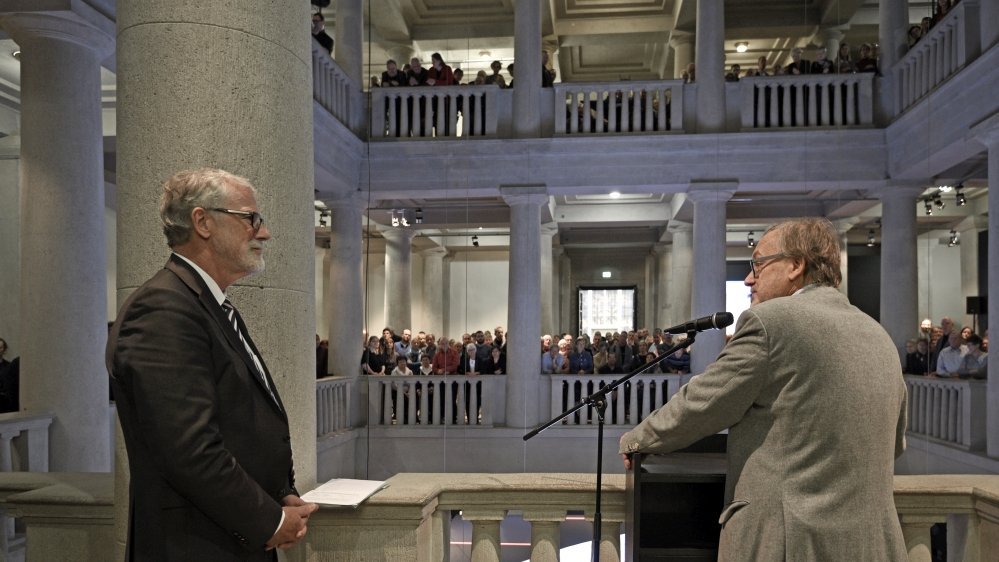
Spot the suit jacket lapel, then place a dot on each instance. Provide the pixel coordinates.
(197, 285)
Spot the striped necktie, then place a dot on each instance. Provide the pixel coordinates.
(237, 324)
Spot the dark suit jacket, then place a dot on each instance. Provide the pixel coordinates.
(209, 450)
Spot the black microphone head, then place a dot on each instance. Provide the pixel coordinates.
(721, 320)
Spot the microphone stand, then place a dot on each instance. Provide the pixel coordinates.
(598, 400)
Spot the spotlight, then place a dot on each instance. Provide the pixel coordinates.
(615, 194)
(741, 47)
(16, 54)
(938, 201)
(750, 241)
(419, 215)
(945, 188)
(928, 206)
(870, 238)
(475, 241)
(960, 198)
(955, 239)
(395, 219)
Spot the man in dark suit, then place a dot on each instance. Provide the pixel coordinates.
(206, 432)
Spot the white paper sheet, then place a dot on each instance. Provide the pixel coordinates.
(344, 492)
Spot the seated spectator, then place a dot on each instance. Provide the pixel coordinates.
(495, 78)
(867, 61)
(951, 356)
(417, 75)
(495, 364)
(393, 77)
(401, 367)
(917, 361)
(446, 359)
(319, 32)
(797, 65)
(469, 365)
(733, 74)
(581, 361)
(915, 34)
(975, 362)
(821, 64)
(372, 358)
(611, 367)
(844, 63)
(439, 74)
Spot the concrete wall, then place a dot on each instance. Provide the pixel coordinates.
(479, 291)
(939, 270)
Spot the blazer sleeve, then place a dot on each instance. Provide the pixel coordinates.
(711, 401)
(171, 382)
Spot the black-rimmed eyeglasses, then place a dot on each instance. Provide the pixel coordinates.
(256, 219)
(756, 263)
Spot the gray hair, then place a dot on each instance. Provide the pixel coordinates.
(816, 242)
(185, 191)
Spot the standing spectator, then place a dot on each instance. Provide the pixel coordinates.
(319, 32)
(821, 64)
(426, 368)
(439, 74)
(372, 359)
(940, 337)
(917, 362)
(915, 34)
(468, 364)
(761, 66)
(547, 74)
(867, 62)
(393, 77)
(496, 78)
(481, 347)
(844, 63)
(975, 363)
(446, 359)
(611, 367)
(404, 346)
(495, 364)
(951, 356)
(553, 362)
(798, 65)
(733, 74)
(581, 361)
(322, 357)
(416, 74)
(9, 381)
(688, 75)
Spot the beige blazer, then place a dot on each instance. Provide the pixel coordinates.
(811, 390)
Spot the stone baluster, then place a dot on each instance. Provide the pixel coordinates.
(545, 533)
(485, 533)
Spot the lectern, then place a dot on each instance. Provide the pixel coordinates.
(672, 504)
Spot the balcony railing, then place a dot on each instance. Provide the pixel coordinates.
(445, 112)
(332, 405)
(333, 89)
(950, 410)
(812, 100)
(430, 401)
(619, 107)
(950, 45)
(628, 404)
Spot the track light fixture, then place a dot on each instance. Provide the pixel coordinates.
(419, 215)
(955, 239)
(928, 206)
(938, 201)
(959, 197)
(750, 241)
(475, 241)
(870, 238)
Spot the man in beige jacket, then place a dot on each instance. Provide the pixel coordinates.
(814, 426)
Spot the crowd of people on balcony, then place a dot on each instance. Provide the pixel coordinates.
(946, 352)
(844, 63)
(940, 9)
(441, 74)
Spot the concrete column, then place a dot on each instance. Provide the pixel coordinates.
(348, 46)
(830, 38)
(527, 69)
(893, 27)
(63, 260)
(345, 300)
(899, 305)
(663, 254)
(988, 11)
(710, 61)
(398, 277)
(566, 293)
(681, 272)
(10, 235)
(708, 292)
(435, 290)
(968, 230)
(683, 51)
(558, 254)
(522, 403)
(843, 227)
(548, 232)
(988, 134)
(651, 278)
(233, 90)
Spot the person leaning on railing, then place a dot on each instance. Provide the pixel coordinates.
(975, 363)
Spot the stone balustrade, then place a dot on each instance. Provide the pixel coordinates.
(334, 90)
(24, 441)
(968, 504)
(428, 401)
(949, 410)
(439, 112)
(332, 405)
(949, 45)
(811, 100)
(628, 404)
(619, 107)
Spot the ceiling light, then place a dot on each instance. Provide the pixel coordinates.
(750, 241)
(475, 241)
(928, 206)
(945, 188)
(741, 47)
(955, 239)
(606, 274)
(485, 54)
(870, 238)
(960, 198)
(615, 195)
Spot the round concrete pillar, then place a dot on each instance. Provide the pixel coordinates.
(708, 293)
(681, 272)
(398, 277)
(899, 281)
(527, 69)
(683, 51)
(710, 62)
(345, 301)
(548, 232)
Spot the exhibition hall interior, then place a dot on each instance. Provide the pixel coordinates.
(457, 258)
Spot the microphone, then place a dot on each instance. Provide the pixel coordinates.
(716, 321)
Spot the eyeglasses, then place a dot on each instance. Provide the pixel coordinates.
(256, 219)
(754, 264)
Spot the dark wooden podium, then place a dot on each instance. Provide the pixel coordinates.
(672, 504)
